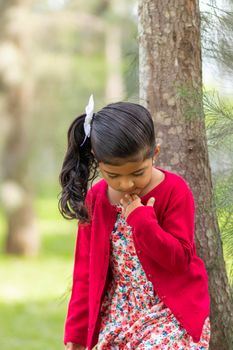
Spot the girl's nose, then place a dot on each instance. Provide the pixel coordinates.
(126, 185)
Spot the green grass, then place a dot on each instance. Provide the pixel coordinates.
(34, 291)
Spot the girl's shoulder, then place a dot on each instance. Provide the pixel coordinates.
(174, 182)
(95, 190)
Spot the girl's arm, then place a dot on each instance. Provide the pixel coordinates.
(172, 244)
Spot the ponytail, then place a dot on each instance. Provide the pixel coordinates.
(79, 167)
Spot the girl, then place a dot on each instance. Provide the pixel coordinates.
(137, 281)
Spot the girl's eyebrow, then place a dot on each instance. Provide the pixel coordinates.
(134, 172)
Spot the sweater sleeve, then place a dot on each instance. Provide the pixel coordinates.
(76, 323)
(170, 244)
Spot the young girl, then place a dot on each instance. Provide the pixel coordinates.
(137, 281)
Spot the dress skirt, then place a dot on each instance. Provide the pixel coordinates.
(132, 315)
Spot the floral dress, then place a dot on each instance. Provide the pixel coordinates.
(132, 315)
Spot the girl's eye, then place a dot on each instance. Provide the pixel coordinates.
(115, 176)
(139, 174)
(112, 176)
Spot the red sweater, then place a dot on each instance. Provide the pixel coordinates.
(164, 242)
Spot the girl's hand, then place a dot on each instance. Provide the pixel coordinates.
(131, 202)
(72, 346)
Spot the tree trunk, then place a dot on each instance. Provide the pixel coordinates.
(16, 96)
(170, 75)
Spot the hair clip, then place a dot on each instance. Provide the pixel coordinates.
(88, 119)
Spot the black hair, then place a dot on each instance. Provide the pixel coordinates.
(119, 131)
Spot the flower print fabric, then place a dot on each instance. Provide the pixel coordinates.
(132, 315)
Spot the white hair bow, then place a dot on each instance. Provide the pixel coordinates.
(89, 115)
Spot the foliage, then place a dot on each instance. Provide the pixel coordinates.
(219, 120)
(219, 124)
(217, 29)
(217, 43)
(224, 205)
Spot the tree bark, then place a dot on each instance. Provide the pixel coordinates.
(170, 79)
(16, 97)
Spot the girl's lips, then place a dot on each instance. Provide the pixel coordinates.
(137, 191)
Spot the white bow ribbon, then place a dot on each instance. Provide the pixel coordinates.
(89, 115)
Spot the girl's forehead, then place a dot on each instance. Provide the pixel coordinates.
(126, 167)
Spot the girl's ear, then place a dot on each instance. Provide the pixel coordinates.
(156, 151)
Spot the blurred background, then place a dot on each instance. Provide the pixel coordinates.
(53, 55)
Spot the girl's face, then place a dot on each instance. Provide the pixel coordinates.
(130, 177)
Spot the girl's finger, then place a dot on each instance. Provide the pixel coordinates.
(134, 197)
(127, 199)
(151, 202)
(124, 202)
